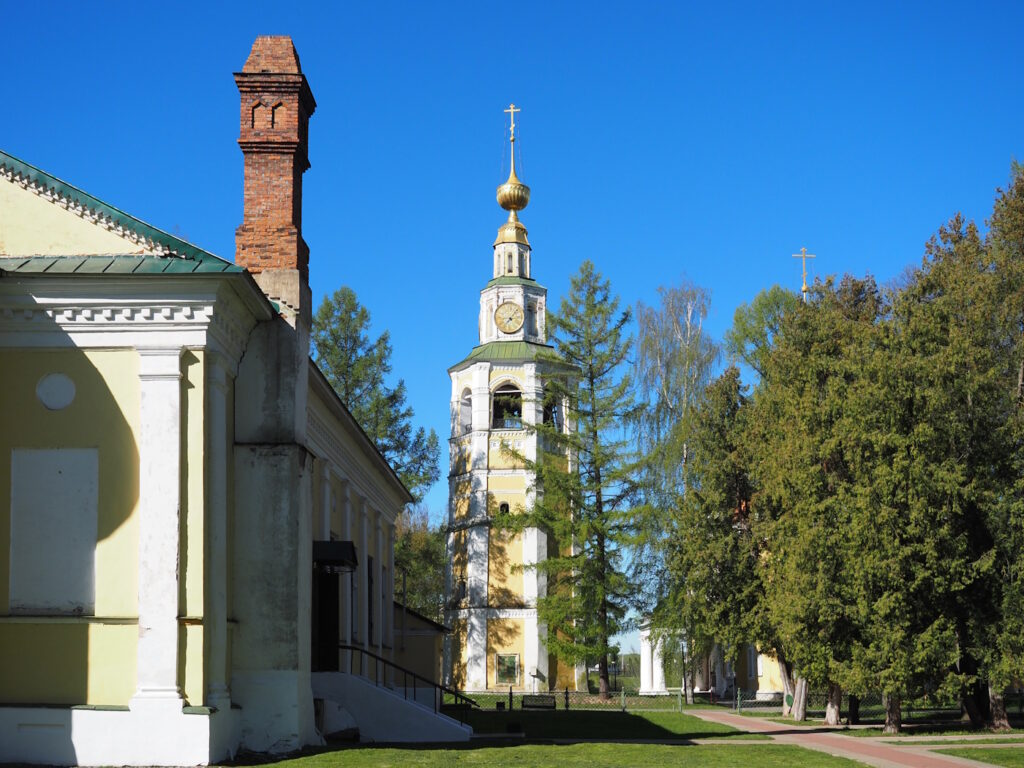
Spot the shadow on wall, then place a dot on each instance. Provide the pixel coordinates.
(69, 469)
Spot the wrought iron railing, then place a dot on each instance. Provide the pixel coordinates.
(383, 668)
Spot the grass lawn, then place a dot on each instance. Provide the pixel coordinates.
(1011, 758)
(588, 724)
(573, 756)
(952, 741)
(932, 730)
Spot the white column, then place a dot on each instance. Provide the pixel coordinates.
(159, 504)
(646, 673)
(218, 379)
(658, 668)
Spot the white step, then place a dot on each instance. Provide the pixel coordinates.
(383, 715)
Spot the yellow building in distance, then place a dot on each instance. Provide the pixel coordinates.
(497, 641)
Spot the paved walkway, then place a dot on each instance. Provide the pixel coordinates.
(865, 750)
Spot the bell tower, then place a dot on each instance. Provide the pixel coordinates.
(497, 399)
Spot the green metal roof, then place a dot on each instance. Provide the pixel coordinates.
(509, 352)
(510, 280)
(112, 265)
(181, 249)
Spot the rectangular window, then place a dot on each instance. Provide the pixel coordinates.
(54, 502)
(506, 668)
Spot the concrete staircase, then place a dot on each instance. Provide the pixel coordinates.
(383, 714)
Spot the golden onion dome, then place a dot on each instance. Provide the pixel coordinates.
(513, 195)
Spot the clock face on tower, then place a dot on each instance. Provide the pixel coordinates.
(509, 317)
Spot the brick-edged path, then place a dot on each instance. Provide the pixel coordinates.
(866, 751)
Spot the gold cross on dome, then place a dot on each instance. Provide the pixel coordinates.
(512, 109)
(804, 256)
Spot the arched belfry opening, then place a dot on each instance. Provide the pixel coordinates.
(507, 410)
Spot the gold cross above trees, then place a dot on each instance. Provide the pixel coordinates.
(512, 109)
(803, 256)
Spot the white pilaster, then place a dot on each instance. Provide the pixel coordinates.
(476, 649)
(346, 578)
(323, 527)
(378, 580)
(218, 379)
(364, 576)
(159, 506)
(389, 597)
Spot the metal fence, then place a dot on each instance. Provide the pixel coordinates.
(618, 701)
(871, 706)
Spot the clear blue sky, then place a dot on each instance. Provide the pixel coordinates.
(659, 140)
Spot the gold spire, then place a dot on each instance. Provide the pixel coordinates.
(513, 195)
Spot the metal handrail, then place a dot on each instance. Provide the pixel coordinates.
(439, 690)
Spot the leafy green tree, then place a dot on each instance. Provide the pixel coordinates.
(756, 324)
(420, 563)
(584, 476)
(358, 368)
(713, 557)
(674, 357)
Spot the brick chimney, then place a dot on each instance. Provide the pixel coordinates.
(276, 104)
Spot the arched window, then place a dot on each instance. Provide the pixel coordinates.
(503, 508)
(507, 412)
(552, 411)
(510, 263)
(465, 412)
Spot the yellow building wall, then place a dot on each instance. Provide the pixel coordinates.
(67, 662)
(460, 491)
(515, 484)
(505, 455)
(770, 678)
(505, 636)
(504, 569)
(68, 659)
(32, 226)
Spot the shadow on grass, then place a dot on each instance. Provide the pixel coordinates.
(510, 729)
(584, 725)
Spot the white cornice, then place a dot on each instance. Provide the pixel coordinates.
(136, 313)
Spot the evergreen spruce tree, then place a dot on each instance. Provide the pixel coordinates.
(584, 476)
(1004, 661)
(804, 481)
(358, 368)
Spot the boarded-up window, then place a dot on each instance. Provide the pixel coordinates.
(54, 502)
